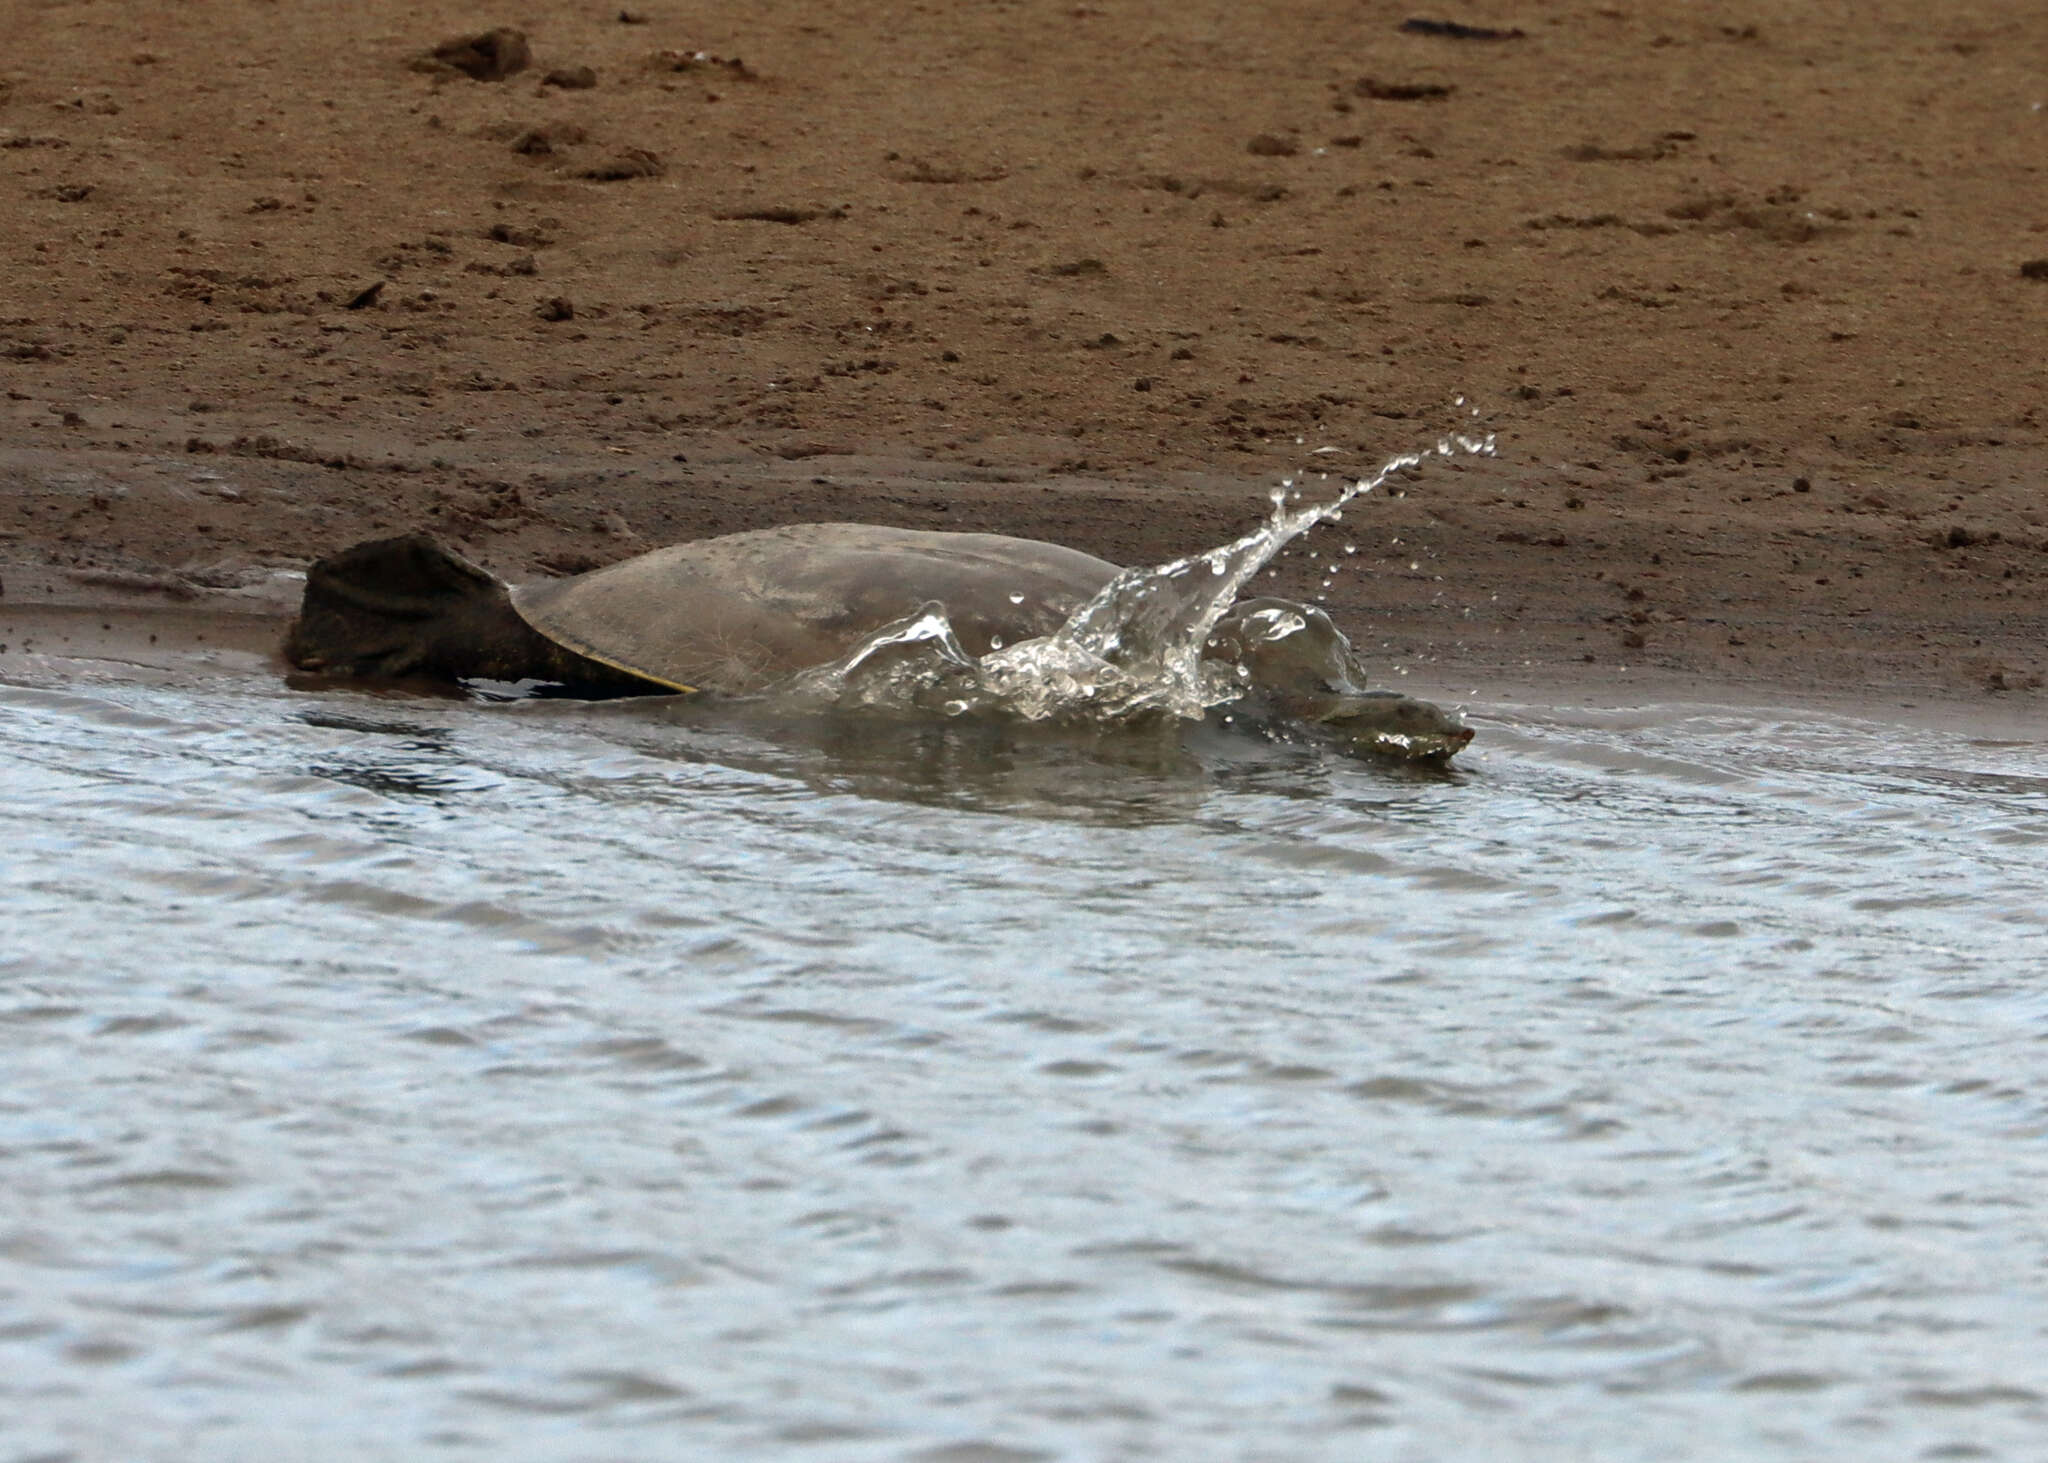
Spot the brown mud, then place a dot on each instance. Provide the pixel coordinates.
(1754, 299)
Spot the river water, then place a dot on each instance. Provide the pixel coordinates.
(392, 1078)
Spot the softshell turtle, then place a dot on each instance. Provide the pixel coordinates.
(735, 614)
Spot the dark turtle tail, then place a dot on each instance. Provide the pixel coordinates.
(409, 606)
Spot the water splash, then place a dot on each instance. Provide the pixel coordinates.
(1134, 650)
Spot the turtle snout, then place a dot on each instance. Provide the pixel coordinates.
(1384, 723)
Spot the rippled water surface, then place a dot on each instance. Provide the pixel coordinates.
(392, 1078)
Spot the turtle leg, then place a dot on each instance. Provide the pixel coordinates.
(1287, 647)
(410, 607)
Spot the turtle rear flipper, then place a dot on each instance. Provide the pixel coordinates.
(409, 606)
(384, 609)
(412, 578)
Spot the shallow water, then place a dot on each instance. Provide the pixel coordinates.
(392, 1078)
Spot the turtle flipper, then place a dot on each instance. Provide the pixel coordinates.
(411, 578)
(409, 606)
(1287, 648)
(385, 609)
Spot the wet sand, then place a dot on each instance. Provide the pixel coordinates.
(1754, 306)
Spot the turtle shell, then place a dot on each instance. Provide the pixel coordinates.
(736, 613)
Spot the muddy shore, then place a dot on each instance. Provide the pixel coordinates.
(1754, 304)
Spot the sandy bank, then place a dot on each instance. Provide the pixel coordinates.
(1754, 306)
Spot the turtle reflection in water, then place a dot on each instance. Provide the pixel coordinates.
(734, 615)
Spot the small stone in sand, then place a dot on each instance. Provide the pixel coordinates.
(491, 56)
(629, 162)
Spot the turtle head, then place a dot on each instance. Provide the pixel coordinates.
(1295, 659)
(1385, 724)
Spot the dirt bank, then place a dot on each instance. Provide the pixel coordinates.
(1753, 300)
